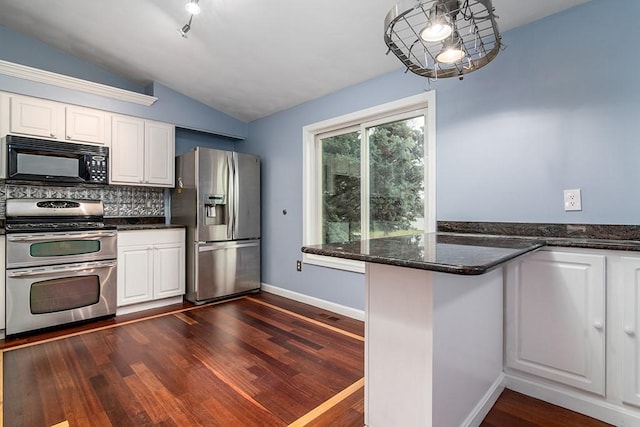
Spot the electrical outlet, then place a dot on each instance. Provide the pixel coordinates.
(572, 200)
(299, 265)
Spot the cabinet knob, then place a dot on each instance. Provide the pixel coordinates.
(68, 136)
(598, 325)
(52, 135)
(629, 331)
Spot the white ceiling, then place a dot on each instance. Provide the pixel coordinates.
(247, 58)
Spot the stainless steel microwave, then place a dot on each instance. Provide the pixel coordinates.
(44, 160)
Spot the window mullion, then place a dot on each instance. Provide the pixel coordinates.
(364, 183)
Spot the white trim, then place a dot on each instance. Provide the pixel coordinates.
(575, 400)
(311, 209)
(478, 414)
(333, 262)
(134, 308)
(316, 302)
(60, 80)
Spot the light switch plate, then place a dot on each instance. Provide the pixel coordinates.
(572, 200)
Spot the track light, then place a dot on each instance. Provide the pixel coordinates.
(185, 28)
(192, 7)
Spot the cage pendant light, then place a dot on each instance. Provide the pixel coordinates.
(443, 38)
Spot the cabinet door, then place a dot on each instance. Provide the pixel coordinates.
(135, 274)
(37, 117)
(159, 154)
(631, 325)
(126, 158)
(85, 125)
(169, 270)
(555, 318)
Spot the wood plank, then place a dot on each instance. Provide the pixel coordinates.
(516, 409)
(237, 362)
(329, 404)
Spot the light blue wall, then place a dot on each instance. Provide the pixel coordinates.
(187, 139)
(558, 109)
(171, 107)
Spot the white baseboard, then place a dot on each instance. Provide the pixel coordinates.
(316, 302)
(582, 403)
(485, 404)
(127, 309)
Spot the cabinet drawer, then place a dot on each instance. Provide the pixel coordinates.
(150, 237)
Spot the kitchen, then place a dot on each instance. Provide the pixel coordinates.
(504, 137)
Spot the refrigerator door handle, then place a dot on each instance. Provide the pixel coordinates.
(231, 197)
(214, 247)
(236, 190)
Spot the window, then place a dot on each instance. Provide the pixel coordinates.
(370, 174)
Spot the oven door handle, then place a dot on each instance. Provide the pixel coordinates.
(60, 269)
(57, 237)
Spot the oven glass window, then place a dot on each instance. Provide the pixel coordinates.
(64, 248)
(36, 164)
(67, 293)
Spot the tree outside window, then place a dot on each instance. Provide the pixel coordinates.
(391, 201)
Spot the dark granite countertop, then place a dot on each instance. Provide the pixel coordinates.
(442, 252)
(133, 227)
(587, 236)
(140, 223)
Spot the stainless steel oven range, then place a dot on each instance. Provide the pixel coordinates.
(61, 263)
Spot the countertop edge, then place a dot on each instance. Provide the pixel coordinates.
(459, 269)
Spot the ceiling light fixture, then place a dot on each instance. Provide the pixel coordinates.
(443, 38)
(185, 28)
(192, 7)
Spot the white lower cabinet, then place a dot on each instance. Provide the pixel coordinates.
(555, 318)
(151, 265)
(572, 318)
(630, 329)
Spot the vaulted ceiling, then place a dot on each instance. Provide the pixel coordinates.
(247, 58)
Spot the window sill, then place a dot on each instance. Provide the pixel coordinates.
(336, 263)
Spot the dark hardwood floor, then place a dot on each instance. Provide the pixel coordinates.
(260, 360)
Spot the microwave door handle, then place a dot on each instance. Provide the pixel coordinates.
(48, 271)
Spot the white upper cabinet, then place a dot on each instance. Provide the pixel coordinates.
(127, 150)
(159, 143)
(142, 152)
(36, 117)
(22, 115)
(86, 125)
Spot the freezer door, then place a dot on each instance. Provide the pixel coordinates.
(227, 268)
(246, 201)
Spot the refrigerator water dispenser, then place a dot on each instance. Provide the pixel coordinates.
(215, 212)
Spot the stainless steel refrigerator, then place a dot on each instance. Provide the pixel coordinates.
(217, 198)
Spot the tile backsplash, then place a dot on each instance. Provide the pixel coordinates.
(119, 201)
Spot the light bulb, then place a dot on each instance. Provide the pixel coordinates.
(192, 7)
(439, 26)
(452, 50)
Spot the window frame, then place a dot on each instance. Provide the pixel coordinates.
(312, 168)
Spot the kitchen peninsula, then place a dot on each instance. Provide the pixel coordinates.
(434, 324)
